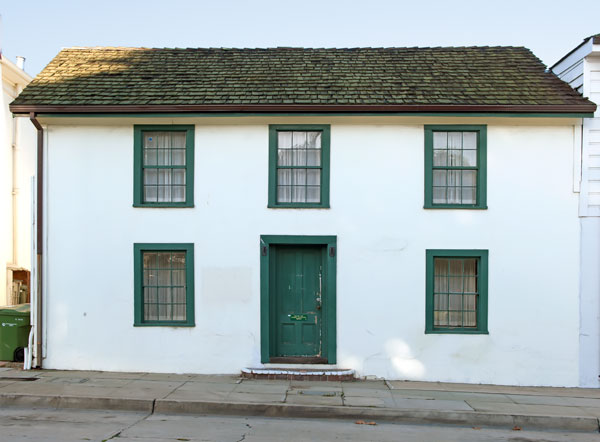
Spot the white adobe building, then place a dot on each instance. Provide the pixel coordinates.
(581, 69)
(408, 213)
(17, 167)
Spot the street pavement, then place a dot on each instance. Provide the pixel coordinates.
(33, 425)
(466, 405)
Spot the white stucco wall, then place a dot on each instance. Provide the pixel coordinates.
(531, 230)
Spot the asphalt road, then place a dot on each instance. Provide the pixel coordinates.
(24, 425)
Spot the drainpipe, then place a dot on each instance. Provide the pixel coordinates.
(39, 235)
(15, 189)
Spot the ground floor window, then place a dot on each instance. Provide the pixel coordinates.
(164, 284)
(456, 291)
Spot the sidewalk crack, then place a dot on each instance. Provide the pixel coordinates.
(143, 418)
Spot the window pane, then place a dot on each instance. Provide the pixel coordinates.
(440, 157)
(178, 194)
(284, 194)
(439, 178)
(469, 195)
(150, 140)
(284, 140)
(299, 140)
(454, 140)
(164, 194)
(470, 319)
(178, 157)
(284, 177)
(313, 194)
(177, 140)
(469, 140)
(313, 177)
(439, 195)
(313, 140)
(454, 178)
(164, 176)
(299, 157)
(299, 176)
(284, 157)
(455, 319)
(469, 158)
(454, 195)
(178, 260)
(469, 178)
(298, 194)
(150, 194)
(150, 157)
(150, 176)
(164, 157)
(441, 319)
(313, 157)
(178, 176)
(454, 158)
(440, 140)
(470, 266)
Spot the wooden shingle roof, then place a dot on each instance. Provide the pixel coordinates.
(502, 79)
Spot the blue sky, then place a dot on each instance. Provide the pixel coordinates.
(38, 29)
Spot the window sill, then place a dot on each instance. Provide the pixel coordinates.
(298, 206)
(166, 206)
(453, 331)
(164, 324)
(453, 206)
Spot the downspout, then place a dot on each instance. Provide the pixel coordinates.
(39, 234)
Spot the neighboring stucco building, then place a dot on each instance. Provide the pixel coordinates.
(408, 213)
(17, 167)
(581, 69)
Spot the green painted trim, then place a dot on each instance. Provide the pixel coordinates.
(267, 261)
(138, 275)
(316, 114)
(138, 187)
(481, 165)
(482, 306)
(325, 129)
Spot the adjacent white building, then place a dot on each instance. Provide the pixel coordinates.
(17, 167)
(581, 69)
(212, 210)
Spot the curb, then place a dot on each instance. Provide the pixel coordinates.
(438, 417)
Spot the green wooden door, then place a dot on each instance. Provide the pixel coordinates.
(298, 300)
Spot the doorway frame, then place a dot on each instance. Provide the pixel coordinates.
(328, 342)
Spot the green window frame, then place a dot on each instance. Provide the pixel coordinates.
(456, 299)
(163, 175)
(298, 177)
(159, 280)
(455, 170)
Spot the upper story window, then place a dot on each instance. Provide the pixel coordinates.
(455, 167)
(299, 166)
(164, 166)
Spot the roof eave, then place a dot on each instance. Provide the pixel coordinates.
(297, 108)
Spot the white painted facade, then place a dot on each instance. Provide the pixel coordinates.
(530, 228)
(17, 167)
(581, 69)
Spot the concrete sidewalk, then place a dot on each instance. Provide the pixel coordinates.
(572, 409)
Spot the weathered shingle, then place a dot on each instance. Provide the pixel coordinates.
(297, 76)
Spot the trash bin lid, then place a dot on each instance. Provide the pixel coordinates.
(16, 310)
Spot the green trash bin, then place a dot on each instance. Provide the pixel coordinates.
(15, 324)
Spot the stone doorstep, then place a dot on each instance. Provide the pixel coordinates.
(299, 374)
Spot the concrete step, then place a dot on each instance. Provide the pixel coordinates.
(300, 374)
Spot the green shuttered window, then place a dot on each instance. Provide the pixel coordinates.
(456, 297)
(164, 284)
(164, 164)
(455, 167)
(299, 166)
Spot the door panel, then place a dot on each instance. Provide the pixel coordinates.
(297, 297)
